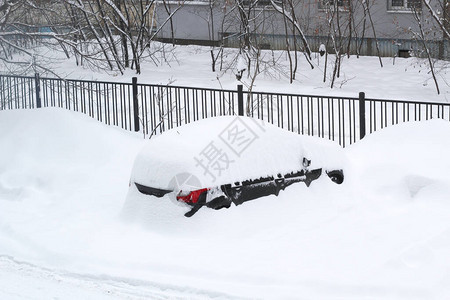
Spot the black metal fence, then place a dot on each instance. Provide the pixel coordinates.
(153, 109)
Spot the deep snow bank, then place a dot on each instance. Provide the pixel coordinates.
(411, 158)
(59, 170)
(48, 149)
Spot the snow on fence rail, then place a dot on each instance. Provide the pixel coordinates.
(153, 109)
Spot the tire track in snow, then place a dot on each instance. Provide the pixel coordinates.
(22, 280)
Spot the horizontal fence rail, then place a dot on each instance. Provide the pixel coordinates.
(153, 109)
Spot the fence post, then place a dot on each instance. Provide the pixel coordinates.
(240, 100)
(135, 104)
(362, 115)
(37, 85)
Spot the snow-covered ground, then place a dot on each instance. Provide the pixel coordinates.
(398, 79)
(384, 233)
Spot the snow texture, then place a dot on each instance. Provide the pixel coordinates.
(66, 230)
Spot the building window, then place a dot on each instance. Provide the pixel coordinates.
(406, 5)
(330, 4)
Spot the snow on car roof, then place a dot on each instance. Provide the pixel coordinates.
(228, 149)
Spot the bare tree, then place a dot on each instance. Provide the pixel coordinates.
(345, 24)
(338, 28)
(426, 31)
(20, 34)
(368, 13)
(441, 16)
(109, 34)
(289, 15)
(215, 13)
(430, 29)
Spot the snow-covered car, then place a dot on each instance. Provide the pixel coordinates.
(228, 160)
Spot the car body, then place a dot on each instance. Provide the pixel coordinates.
(220, 161)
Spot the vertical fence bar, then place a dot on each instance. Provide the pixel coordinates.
(30, 93)
(135, 104)
(16, 93)
(37, 88)
(240, 100)
(10, 99)
(362, 115)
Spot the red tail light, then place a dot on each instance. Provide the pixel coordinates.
(190, 198)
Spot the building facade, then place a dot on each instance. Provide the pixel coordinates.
(366, 27)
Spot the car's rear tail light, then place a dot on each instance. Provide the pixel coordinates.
(183, 193)
(190, 197)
